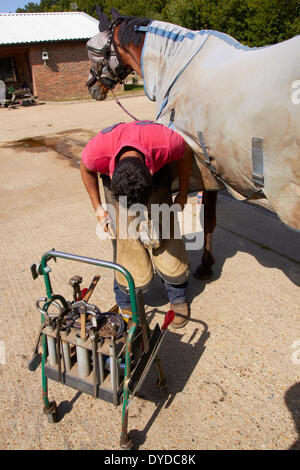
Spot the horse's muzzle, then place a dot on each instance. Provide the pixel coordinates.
(98, 93)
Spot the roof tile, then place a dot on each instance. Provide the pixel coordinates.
(20, 28)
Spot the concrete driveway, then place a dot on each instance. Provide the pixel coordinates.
(233, 371)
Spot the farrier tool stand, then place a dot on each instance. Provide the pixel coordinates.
(94, 352)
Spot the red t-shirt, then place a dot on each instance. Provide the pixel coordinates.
(159, 144)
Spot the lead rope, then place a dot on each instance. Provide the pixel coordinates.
(122, 107)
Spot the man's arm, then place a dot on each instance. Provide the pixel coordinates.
(90, 180)
(184, 166)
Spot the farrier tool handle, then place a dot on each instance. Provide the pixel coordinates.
(86, 299)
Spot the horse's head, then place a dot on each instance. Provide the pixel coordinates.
(107, 67)
(112, 58)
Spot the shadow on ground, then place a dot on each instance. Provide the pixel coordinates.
(241, 227)
(184, 355)
(292, 401)
(66, 406)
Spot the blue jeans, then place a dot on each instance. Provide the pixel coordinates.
(176, 294)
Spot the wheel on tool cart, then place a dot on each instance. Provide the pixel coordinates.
(52, 418)
(126, 445)
(51, 412)
(163, 389)
(137, 346)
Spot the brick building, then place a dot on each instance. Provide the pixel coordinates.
(46, 52)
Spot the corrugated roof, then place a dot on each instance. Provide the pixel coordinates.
(17, 28)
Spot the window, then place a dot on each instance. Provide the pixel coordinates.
(8, 70)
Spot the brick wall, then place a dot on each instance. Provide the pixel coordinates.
(66, 71)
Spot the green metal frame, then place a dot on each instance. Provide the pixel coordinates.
(130, 335)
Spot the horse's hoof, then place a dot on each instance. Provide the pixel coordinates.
(203, 274)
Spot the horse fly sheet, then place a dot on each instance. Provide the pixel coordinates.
(238, 108)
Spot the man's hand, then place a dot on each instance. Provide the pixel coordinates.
(181, 199)
(104, 220)
(90, 180)
(106, 224)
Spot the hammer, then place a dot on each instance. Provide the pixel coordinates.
(75, 282)
(86, 299)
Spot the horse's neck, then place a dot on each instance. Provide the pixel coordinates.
(167, 50)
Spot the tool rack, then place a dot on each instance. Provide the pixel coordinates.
(112, 369)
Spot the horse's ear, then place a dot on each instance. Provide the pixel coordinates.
(103, 20)
(114, 13)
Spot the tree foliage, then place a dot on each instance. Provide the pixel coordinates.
(253, 22)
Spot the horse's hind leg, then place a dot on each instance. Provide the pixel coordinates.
(204, 270)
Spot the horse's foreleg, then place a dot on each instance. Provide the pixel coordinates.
(204, 270)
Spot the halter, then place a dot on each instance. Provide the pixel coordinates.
(116, 76)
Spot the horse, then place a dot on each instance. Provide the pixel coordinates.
(237, 107)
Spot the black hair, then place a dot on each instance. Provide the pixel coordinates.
(127, 33)
(133, 179)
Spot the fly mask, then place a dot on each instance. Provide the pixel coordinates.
(107, 66)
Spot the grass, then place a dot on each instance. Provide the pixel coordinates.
(132, 87)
